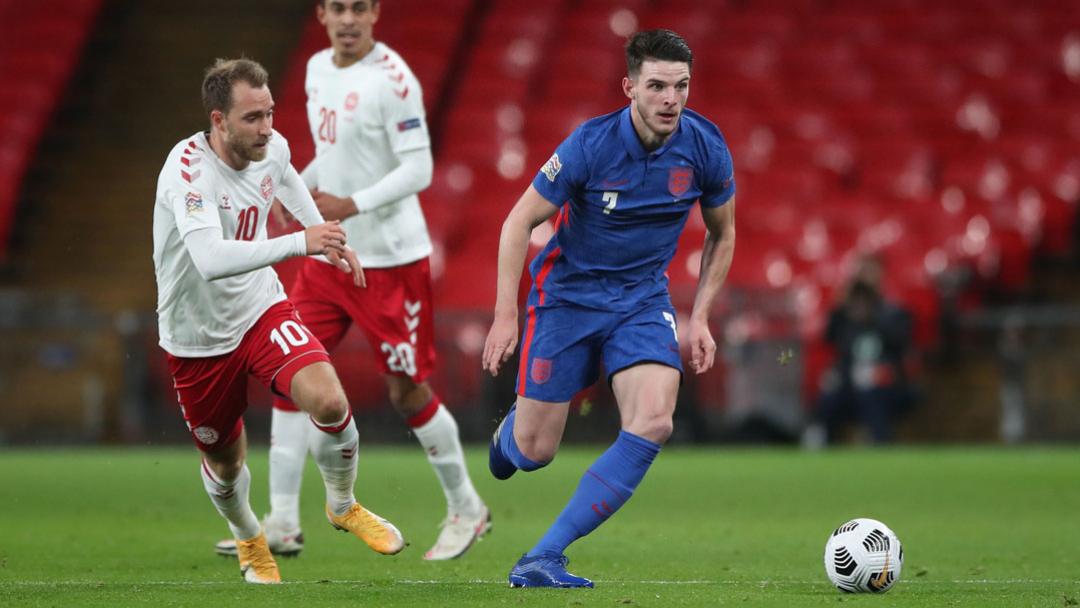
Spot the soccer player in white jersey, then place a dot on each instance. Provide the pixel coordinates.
(223, 314)
(373, 156)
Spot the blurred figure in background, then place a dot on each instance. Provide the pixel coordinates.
(867, 383)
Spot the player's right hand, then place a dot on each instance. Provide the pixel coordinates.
(322, 238)
(500, 344)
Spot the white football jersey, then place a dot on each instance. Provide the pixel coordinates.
(361, 117)
(197, 190)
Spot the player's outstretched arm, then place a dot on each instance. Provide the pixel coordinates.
(715, 261)
(531, 210)
(216, 258)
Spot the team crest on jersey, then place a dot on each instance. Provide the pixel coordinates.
(351, 100)
(679, 180)
(193, 202)
(552, 167)
(205, 435)
(225, 204)
(541, 370)
(267, 188)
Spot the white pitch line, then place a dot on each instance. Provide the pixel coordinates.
(764, 583)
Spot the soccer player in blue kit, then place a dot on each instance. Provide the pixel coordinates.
(623, 185)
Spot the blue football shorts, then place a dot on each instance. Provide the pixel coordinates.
(563, 345)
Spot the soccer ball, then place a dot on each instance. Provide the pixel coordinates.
(863, 555)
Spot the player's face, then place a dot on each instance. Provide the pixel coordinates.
(349, 23)
(246, 128)
(658, 95)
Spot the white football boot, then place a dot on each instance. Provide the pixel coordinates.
(459, 532)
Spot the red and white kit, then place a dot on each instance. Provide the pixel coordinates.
(219, 329)
(213, 390)
(398, 323)
(364, 118)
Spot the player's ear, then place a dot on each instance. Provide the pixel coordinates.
(375, 5)
(628, 87)
(217, 118)
(320, 12)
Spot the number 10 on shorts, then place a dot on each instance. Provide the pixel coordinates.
(288, 335)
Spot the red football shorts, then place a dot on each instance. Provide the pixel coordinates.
(213, 390)
(394, 311)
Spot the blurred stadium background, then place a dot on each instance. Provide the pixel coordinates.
(943, 135)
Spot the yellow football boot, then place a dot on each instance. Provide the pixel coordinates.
(256, 563)
(378, 533)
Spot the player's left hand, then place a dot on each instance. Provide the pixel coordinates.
(348, 263)
(500, 342)
(334, 207)
(702, 347)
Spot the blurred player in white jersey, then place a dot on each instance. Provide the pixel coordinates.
(223, 314)
(373, 156)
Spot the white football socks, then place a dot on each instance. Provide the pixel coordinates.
(439, 436)
(289, 432)
(335, 448)
(231, 500)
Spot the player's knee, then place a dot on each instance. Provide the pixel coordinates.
(226, 469)
(406, 396)
(402, 400)
(656, 429)
(328, 406)
(537, 448)
(396, 396)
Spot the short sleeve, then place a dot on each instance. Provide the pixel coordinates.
(719, 183)
(403, 114)
(565, 173)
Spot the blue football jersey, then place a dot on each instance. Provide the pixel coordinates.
(623, 208)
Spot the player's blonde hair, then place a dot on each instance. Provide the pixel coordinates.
(219, 80)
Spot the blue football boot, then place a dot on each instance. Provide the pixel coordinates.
(500, 466)
(545, 570)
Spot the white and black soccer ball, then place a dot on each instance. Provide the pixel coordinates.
(863, 556)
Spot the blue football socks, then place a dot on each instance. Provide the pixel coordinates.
(605, 487)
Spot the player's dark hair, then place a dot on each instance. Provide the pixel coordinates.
(323, 2)
(219, 80)
(662, 45)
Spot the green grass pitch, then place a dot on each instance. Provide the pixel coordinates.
(708, 527)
